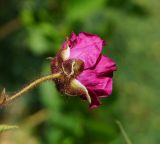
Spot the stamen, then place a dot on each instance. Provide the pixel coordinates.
(72, 69)
(64, 70)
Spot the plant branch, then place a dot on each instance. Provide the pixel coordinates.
(5, 99)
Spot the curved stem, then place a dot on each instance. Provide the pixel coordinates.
(127, 139)
(4, 99)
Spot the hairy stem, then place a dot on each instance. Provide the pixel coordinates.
(5, 99)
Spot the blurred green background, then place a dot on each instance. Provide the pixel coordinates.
(32, 30)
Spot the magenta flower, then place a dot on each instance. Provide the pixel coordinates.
(85, 72)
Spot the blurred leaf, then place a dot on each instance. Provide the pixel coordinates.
(83, 8)
(27, 17)
(66, 121)
(41, 38)
(102, 131)
(7, 127)
(54, 136)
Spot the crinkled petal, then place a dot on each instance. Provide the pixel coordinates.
(95, 102)
(86, 47)
(102, 86)
(105, 66)
(99, 79)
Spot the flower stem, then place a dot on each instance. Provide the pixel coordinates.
(4, 99)
(126, 138)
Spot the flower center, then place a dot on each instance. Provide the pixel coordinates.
(72, 67)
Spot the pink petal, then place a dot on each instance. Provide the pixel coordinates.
(105, 65)
(99, 79)
(102, 86)
(86, 47)
(95, 102)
